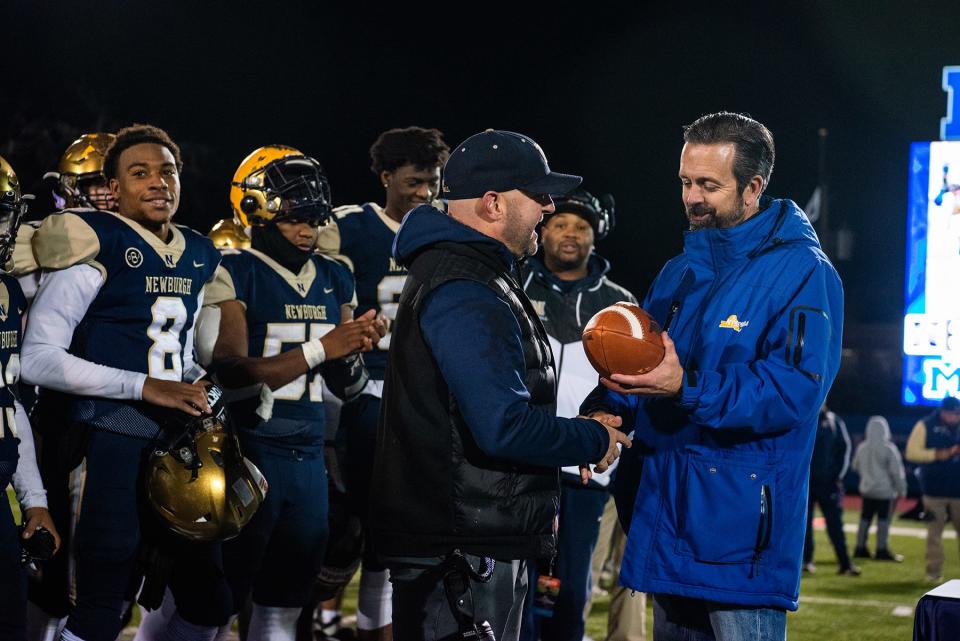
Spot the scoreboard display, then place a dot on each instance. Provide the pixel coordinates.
(931, 319)
(931, 323)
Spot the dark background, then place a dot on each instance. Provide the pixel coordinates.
(605, 91)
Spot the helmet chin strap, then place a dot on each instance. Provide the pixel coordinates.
(269, 240)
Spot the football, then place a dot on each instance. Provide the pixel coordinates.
(622, 339)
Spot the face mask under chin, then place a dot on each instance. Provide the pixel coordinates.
(269, 240)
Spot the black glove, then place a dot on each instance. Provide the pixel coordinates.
(346, 377)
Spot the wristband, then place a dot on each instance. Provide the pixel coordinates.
(313, 352)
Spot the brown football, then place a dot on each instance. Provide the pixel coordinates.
(622, 339)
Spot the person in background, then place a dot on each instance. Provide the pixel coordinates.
(882, 479)
(18, 463)
(831, 459)
(406, 162)
(567, 284)
(934, 444)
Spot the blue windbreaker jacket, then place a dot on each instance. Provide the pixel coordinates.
(718, 511)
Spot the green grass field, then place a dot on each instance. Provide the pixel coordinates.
(848, 608)
(831, 607)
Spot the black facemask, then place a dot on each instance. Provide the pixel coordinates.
(271, 242)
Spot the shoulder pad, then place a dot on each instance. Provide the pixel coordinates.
(339, 260)
(62, 240)
(220, 288)
(22, 261)
(329, 243)
(343, 210)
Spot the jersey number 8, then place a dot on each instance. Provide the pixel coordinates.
(164, 360)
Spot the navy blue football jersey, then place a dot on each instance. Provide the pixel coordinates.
(366, 238)
(283, 311)
(140, 317)
(12, 305)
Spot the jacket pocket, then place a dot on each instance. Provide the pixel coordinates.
(725, 509)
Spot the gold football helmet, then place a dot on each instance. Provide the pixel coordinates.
(13, 206)
(229, 234)
(280, 183)
(80, 168)
(202, 485)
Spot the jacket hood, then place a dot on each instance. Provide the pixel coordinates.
(779, 221)
(597, 268)
(426, 226)
(878, 430)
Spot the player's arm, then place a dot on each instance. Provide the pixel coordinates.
(236, 369)
(27, 483)
(58, 308)
(478, 347)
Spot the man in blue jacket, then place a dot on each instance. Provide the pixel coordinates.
(465, 483)
(725, 424)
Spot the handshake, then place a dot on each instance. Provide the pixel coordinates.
(617, 440)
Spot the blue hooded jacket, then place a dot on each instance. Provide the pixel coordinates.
(718, 510)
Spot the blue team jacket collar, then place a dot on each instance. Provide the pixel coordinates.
(777, 221)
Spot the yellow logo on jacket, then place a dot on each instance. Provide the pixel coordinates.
(733, 323)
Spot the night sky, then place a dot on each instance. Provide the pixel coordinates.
(604, 91)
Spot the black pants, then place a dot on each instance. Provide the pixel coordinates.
(113, 519)
(830, 499)
(13, 580)
(356, 440)
(421, 611)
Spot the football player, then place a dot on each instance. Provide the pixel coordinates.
(286, 319)
(17, 457)
(79, 183)
(112, 327)
(407, 163)
(79, 180)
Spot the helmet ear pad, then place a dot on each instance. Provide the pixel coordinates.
(249, 205)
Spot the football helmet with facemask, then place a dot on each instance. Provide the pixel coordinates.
(13, 207)
(80, 172)
(198, 481)
(280, 183)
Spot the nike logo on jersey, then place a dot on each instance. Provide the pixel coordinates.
(327, 290)
(196, 264)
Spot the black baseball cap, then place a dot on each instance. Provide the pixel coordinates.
(950, 404)
(497, 160)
